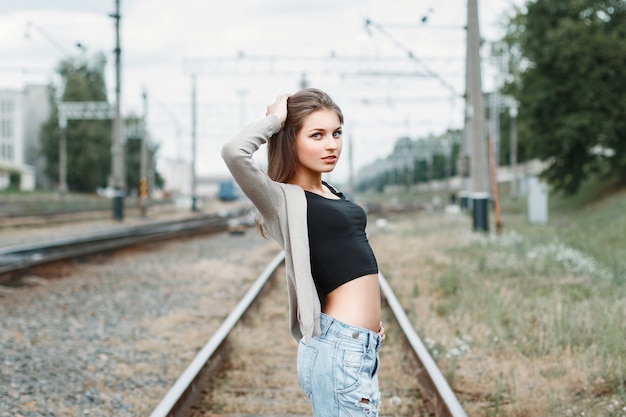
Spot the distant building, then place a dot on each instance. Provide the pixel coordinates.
(22, 113)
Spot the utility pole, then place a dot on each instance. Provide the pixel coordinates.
(62, 122)
(497, 101)
(475, 121)
(193, 143)
(513, 114)
(143, 175)
(63, 159)
(116, 180)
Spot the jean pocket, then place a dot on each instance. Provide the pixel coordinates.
(350, 371)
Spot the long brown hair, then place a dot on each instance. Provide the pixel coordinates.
(282, 159)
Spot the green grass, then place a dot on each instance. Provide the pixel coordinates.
(551, 297)
(562, 288)
(592, 222)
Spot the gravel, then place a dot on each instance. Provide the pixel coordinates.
(108, 336)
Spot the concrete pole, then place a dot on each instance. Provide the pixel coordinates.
(143, 167)
(63, 157)
(117, 149)
(144, 137)
(193, 143)
(513, 114)
(475, 101)
(475, 113)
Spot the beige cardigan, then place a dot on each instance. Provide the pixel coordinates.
(283, 214)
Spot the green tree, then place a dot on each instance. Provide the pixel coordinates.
(420, 171)
(88, 141)
(568, 72)
(505, 141)
(438, 169)
(456, 150)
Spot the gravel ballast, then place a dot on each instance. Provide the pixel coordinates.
(109, 335)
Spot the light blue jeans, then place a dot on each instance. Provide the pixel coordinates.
(338, 370)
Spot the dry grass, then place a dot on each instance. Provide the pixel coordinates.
(260, 374)
(260, 377)
(518, 327)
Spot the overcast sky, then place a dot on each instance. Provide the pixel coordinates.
(160, 39)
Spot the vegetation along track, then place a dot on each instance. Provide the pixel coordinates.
(248, 366)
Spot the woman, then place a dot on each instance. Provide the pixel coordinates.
(332, 274)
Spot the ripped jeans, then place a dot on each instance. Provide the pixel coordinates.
(338, 370)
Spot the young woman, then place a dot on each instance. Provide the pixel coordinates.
(332, 274)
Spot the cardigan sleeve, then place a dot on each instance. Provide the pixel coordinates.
(237, 154)
(283, 207)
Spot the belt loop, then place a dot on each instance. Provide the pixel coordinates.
(329, 321)
(373, 340)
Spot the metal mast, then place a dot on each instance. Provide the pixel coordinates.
(117, 150)
(475, 102)
(475, 122)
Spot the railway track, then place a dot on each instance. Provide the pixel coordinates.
(33, 215)
(209, 385)
(196, 392)
(15, 259)
(36, 219)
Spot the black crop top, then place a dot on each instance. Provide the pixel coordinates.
(340, 251)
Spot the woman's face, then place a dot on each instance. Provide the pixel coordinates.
(318, 143)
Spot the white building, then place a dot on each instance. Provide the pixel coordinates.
(22, 113)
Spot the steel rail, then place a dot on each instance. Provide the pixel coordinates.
(187, 388)
(30, 218)
(16, 215)
(442, 401)
(16, 258)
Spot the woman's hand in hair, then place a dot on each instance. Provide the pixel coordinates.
(279, 108)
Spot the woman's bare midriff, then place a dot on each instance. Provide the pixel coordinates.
(356, 302)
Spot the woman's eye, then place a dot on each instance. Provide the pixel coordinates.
(316, 135)
(337, 134)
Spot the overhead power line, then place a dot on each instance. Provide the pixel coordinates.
(341, 65)
(59, 46)
(412, 56)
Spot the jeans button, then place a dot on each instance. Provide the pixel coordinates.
(355, 335)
